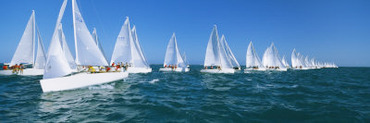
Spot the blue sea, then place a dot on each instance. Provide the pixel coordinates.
(324, 95)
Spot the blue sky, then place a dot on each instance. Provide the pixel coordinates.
(329, 30)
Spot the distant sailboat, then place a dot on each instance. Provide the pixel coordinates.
(87, 53)
(25, 52)
(128, 51)
(173, 60)
(216, 56)
(271, 59)
(253, 62)
(297, 61)
(232, 58)
(285, 62)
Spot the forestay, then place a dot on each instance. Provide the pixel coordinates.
(87, 52)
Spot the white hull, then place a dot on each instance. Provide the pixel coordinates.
(26, 72)
(175, 70)
(252, 69)
(138, 70)
(217, 71)
(280, 69)
(80, 80)
(304, 68)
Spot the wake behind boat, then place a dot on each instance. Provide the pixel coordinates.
(173, 60)
(59, 72)
(24, 62)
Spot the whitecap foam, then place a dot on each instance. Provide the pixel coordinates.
(153, 81)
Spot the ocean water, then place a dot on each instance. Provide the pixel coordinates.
(325, 95)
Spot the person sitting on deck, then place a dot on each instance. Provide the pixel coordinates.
(218, 67)
(5, 67)
(21, 67)
(91, 69)
(107, 68)
(118, 66)
(211, 67)
(113, 64)
(205, 67)
(165, 66)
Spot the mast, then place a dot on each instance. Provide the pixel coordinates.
(74, 29)
(33, 37)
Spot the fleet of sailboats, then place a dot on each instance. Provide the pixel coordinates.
(300, 62)
(61, 71)
(173, 61)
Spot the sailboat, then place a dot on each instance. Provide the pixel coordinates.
(173, 60)
(271, 59)
(285, 62)
(127, 50)
(25, 52)
(232, 58)
(297, 61)
(253, 62)
(58, 72)
(216, 56)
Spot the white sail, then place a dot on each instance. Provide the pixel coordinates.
(233, 60)
(122, 48)
(56, 63)
(224, 57)
(185, 59)
(271, 57)
(87, 52)
(139, 59)
(173, 56)
(26, 47)
(98, 43)
(252, 59)
(65, 47)
(285, 62)
(212, 57)
(40, 56)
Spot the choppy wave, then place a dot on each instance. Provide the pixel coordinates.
(327, 95)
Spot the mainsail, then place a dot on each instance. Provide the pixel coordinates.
(87, 52)
(252, 59)
(173, 56)
(26, 47)
(212, 57)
